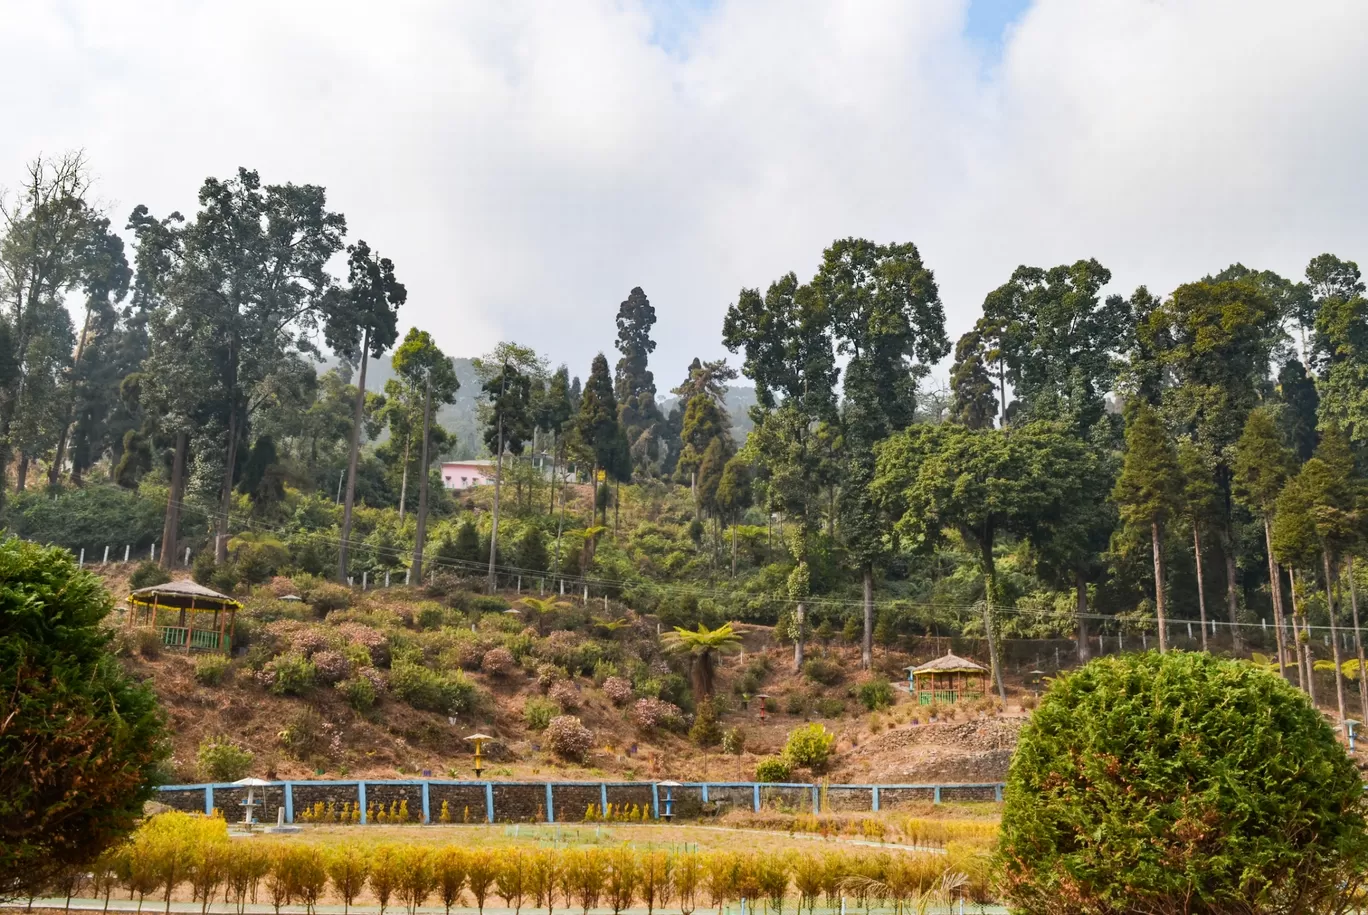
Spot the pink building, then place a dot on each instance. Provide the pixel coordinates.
(460, 475)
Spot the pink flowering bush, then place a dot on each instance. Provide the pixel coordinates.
(650, 713)
(565, 695)
(568, 738)
(618, 690)
(498, 662)
(331, 666)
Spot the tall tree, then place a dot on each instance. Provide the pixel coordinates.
(1149, 492)
(423, 366)
(246, 286)
(599, 438)
(974, 405)
(1213, 341)
(1202, 510)
(981, 483)
(506, 379)
(52, 243)
(888, 319)
(1059, 341)
(362, 325)
(787, 339)
(90, 386)
(1341, 322)
(1262, 465)
(634, 385)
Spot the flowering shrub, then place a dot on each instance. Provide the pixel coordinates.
(373, 640)
(618, 690)
(565, 695)
(649, 714)
(568, 737)
(331, 666)
(547, 675)
(497, 662)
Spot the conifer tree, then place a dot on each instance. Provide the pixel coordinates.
(1149, 492)
(1262, 465)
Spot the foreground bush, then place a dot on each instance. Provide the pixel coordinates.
(1180, 783)
(810, 746)
(80, 743)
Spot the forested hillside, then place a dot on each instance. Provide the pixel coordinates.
(1173, 467)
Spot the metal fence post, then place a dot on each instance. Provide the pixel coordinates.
(550, 807)
(655, 801)
(489, 801)
(875, 799)
(427, 814)
(361, 799)
(208, 800)
(603, 800)
(757, 797)
(289, 802)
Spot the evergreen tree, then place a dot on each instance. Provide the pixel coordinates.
(634, 384)
(887, 317)
(599, 436)
(362, 324)
(1149, 492)
(974, 405)
(421, 365)
(507, 379)
(1262, 465)
(1300, 404)
(1202, 510)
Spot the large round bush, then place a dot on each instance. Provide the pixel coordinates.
(1179, 783)
(80, 742)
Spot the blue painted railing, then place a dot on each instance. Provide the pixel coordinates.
(706, 790)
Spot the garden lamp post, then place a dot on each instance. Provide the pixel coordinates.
(762, 697)
(1350, 731)
(249, 806)
(479, 749)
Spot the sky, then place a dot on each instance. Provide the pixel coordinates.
(526, 164)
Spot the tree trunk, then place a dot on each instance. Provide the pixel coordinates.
(1275, 589)
(989, 596)
(1334, 633)
(555, 482)
(1232, 596)
(617, 507)
(226, 496)
(420, 530)
(733, 551)
(799, 624)
(491, 581)
(1201, 590)
(1081, 586)
(403, 478)
(63, 436)
(560, 524)
(171, 526)
(867, 643)
(21, 475)
(1160, 605)
(353, 451)
(1303, 641)
(1358, 641)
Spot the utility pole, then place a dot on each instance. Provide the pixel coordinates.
(421, 533)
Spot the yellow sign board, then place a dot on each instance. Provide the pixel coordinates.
(602, 475)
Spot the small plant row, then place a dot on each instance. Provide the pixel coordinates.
(177, 854)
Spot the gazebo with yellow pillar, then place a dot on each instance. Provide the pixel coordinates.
(188, 616)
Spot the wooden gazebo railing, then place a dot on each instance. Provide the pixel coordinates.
(188, 616)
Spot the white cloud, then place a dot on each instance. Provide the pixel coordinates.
(526, 164)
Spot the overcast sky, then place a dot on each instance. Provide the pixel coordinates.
(527, 164)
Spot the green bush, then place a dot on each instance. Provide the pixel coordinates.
(810, 747)
(753, 676)
(328, 597)
(80, 743)
(358, 692)
(772, 769)
(875, 695)
(221, 759)
(427, 690)
(829, 707)
(538, 712)
(91, 517)
(147, 574)
(210, 669)
(820, 670)
(1180, 783)
(289, 675)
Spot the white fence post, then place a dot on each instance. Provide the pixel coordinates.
(105, 561)
(80, 563)
(127, 547)
(187, 556)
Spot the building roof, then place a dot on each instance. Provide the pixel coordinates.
(471, 463)
(951, 663)
(180, 594)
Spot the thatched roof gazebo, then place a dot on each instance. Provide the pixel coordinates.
(947, 680)
(188, 615)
